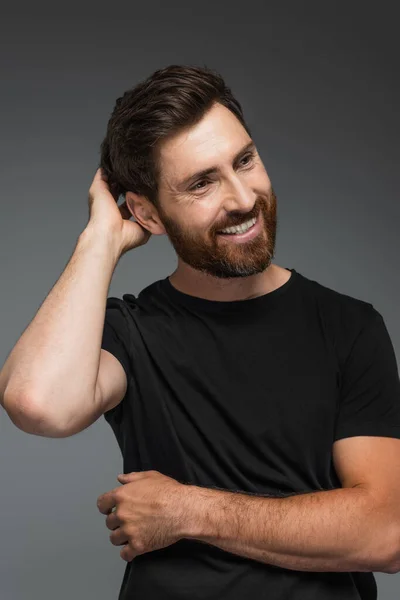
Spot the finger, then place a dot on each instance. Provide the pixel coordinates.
(112, 521)
(125, 477)
(127, 554)
(106, 502)
(118, 537)
(124, 210)
(100, 175)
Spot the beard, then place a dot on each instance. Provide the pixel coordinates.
(225, 258)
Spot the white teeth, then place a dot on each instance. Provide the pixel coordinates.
(240, 228)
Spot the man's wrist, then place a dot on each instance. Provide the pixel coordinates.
(200, 508)
(103, 240)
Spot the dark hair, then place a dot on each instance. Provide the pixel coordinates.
(168, 101)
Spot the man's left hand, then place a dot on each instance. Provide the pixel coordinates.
(150, 512)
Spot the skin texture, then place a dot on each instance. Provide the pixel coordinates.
(146, 513)
(320, 531)
(210, 266)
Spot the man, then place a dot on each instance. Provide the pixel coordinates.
(257, 411)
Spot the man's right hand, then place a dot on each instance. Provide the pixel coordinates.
(107, 217)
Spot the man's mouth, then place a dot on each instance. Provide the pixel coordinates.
(242, 233)
(238, 229)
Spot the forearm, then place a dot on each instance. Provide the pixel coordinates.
(53, 366)
(333, 530)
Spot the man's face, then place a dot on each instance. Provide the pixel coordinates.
(194, 211)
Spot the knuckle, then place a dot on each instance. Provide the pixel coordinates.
(119, 495)
(117, 513)
(138, 546)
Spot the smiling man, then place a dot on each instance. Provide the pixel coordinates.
(244, 375)
(221, 219)
(257, 410)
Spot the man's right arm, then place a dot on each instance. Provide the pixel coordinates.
(57, 380)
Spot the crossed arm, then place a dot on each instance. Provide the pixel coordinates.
(333, 530)
(354, 528)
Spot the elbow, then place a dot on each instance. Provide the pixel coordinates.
(387, 552)
(392, 563)
(19, 408)
(378, 541)
(27, 416)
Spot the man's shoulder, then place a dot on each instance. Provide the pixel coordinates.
(340, 308)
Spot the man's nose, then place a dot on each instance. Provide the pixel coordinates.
(239, 197)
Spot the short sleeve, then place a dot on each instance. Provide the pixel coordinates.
(369, 401)
(115, 339)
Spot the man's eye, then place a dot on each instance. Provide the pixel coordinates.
(194, 187)
(249, 156)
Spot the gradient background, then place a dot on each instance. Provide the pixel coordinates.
(320, 89)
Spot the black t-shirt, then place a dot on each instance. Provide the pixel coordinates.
(248, 396)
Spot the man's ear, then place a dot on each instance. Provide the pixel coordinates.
(145, 213)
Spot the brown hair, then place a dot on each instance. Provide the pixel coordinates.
(168, 101)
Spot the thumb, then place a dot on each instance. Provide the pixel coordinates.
(123, 477)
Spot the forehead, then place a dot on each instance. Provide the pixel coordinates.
(217, 137)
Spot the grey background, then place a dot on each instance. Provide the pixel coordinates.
(319, 87)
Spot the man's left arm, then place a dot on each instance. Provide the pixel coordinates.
(343, 529)
(352, 528)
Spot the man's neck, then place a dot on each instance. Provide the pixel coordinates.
(195, 283)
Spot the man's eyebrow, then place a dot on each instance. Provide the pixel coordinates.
(214, 169)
